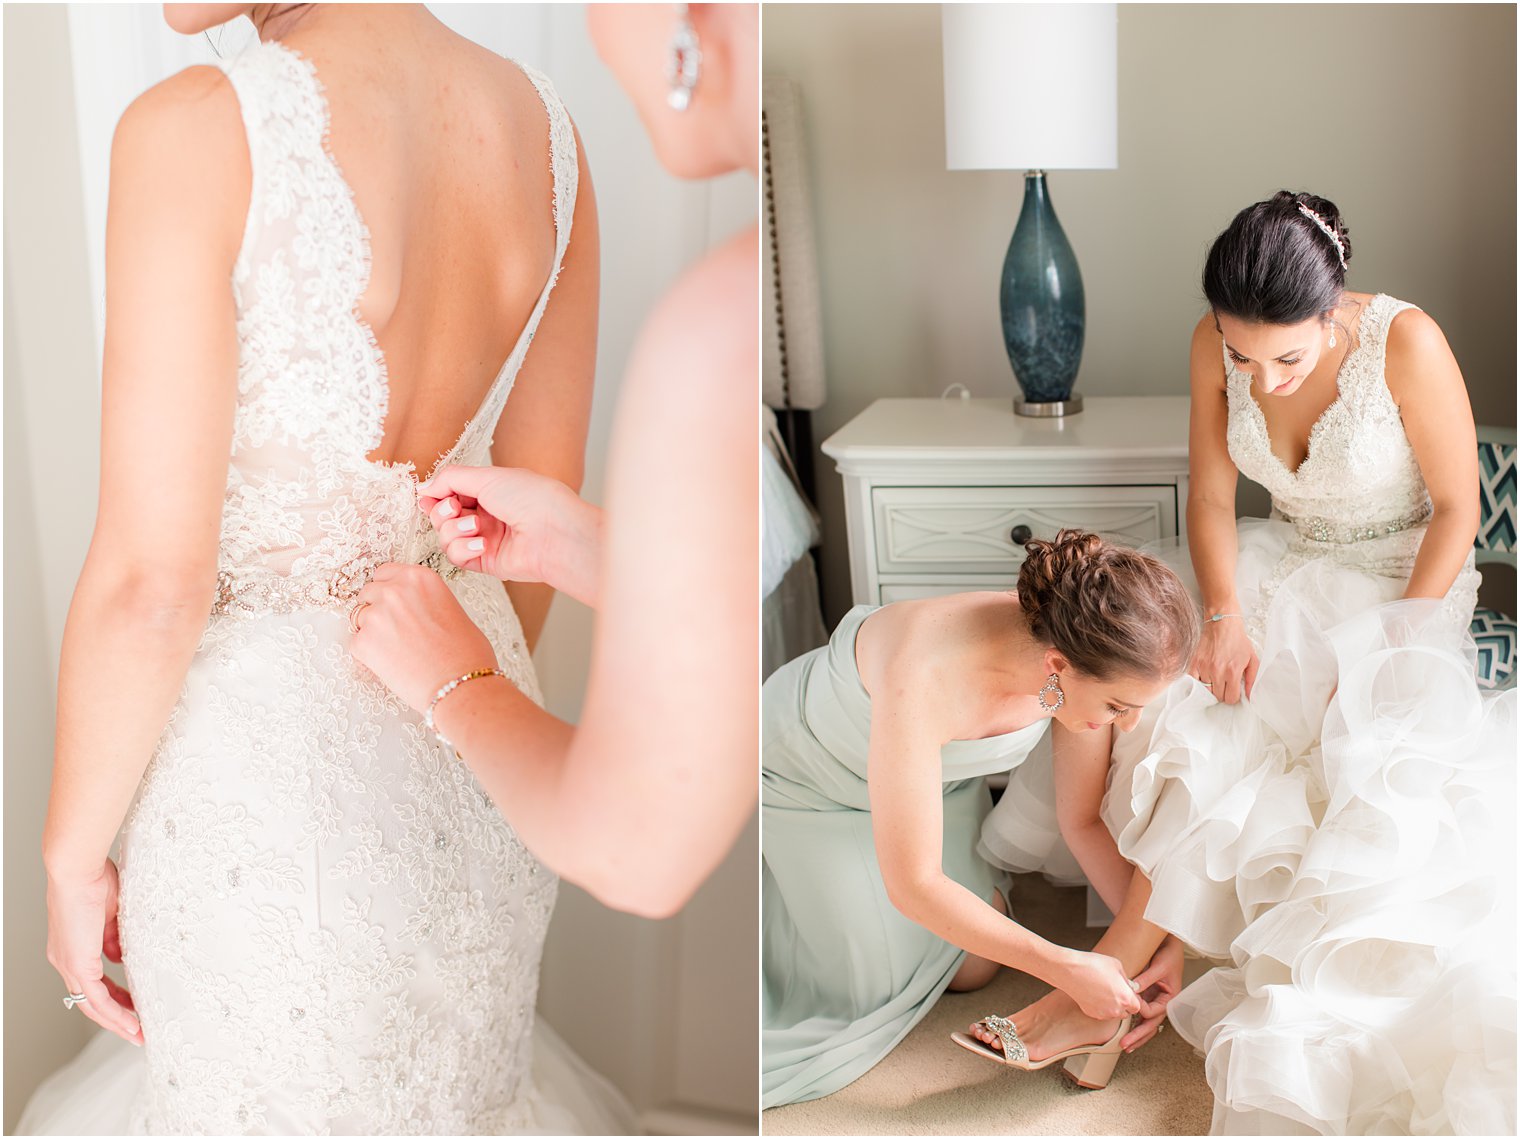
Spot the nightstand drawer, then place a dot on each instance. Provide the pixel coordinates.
(915, 591)
(971, 530)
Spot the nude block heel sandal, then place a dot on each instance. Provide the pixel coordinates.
(1091, 1070)
(1091, 1066)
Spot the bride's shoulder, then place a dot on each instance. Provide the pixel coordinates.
(199, 98)
(1417, 357)
(181, 145)
(1414, 333)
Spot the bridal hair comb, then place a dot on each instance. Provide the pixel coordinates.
(1340, 250)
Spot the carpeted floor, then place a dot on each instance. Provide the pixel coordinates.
(928, 1086)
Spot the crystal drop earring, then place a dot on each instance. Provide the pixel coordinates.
(1052, 684)
(684, 64)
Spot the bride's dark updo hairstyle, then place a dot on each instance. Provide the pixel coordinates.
(1275, 264)
(1107, 609)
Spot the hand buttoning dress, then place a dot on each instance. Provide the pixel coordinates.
(327, 925)
(846, 974)
(1344, 838)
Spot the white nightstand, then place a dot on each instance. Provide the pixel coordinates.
(941, 494)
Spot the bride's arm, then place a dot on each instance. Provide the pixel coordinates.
(1427, 385)
(1224, 655)
(179, 189)
(544, 427)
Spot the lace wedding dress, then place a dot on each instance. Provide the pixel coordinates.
(327, 925)
(1344, 838)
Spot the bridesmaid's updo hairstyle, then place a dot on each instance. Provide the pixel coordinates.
(1277, 264)
(1108, 609)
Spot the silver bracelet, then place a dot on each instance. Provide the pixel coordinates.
(427, 717)
(1222, 616)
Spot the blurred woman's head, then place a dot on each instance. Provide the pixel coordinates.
(1118, 626)
(192, 19)
(693, 73)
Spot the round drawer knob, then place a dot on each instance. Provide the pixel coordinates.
(1021, 534)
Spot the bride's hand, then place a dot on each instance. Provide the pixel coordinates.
(1159, 982)
(515, 525)
(413, 633)
(1226, 660)
(1099, 985)
(82, 927)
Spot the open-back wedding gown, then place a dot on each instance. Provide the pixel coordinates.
(327, 925)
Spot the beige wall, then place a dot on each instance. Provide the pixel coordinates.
(1403, 115)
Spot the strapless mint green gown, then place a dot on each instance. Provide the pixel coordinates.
(846, 975)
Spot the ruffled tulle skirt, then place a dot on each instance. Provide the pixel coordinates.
(1344, 840)
(94, 1093)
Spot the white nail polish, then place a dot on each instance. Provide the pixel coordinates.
(469, 525)
(476, 545)
(446, 509)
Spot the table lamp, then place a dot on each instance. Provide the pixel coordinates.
(1035, 87)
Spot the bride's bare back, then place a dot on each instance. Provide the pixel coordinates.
(446, 148)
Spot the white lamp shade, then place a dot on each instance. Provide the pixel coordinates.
(1031, 86)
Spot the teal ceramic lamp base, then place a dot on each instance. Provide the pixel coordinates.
(1044, 308)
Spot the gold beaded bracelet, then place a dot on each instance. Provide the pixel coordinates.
(427, 717)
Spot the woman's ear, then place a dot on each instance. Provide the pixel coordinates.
(1055, 661)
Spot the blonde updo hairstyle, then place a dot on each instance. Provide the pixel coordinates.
(1107, 609)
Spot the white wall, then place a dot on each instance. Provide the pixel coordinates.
(1404, 115)
(52, 439)
(632, 996)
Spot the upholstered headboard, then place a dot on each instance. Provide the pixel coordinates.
(793, 354)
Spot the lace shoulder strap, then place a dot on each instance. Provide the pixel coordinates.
(1366, 381)
(1380, 313)
(281, 109)
(564, 166)
(563, 163)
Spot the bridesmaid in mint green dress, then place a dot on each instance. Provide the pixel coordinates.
(874, 899)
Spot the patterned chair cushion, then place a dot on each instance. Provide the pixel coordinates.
(1495, 634)
(1496, 491)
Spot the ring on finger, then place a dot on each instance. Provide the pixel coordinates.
(353, 616)
(74, 999)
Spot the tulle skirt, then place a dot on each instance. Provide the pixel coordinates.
(1343, 840)
(93, 1094)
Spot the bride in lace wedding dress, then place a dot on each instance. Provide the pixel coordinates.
(326, 924)
(1326, 803)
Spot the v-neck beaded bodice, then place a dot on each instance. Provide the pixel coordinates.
(1359, 478)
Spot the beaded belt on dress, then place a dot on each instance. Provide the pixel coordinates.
(263, 591)
(1324, 530)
